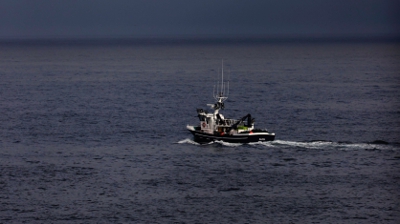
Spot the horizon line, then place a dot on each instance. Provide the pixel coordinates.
(197, 40)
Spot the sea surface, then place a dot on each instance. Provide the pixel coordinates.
(95, 132)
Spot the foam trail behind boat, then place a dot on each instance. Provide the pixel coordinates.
(325, 145)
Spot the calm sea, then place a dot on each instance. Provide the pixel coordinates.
(95, 133)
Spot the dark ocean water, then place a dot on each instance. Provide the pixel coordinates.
(95, 133)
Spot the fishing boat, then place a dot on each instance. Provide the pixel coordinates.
(214, 126)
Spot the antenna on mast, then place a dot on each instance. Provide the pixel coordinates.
(221, 92)
(222, 82)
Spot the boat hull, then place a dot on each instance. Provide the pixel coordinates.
(203, 137)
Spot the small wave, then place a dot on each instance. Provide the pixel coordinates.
(228, 144)
(320, 144)
(267, 144)
(311, 145)
(188, 141)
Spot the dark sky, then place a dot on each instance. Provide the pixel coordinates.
(198, 18)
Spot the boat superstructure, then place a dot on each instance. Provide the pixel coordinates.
(214, 126)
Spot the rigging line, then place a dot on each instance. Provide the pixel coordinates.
(222, 81)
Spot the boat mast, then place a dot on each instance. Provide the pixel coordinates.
(221, 92)
(222, 81)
